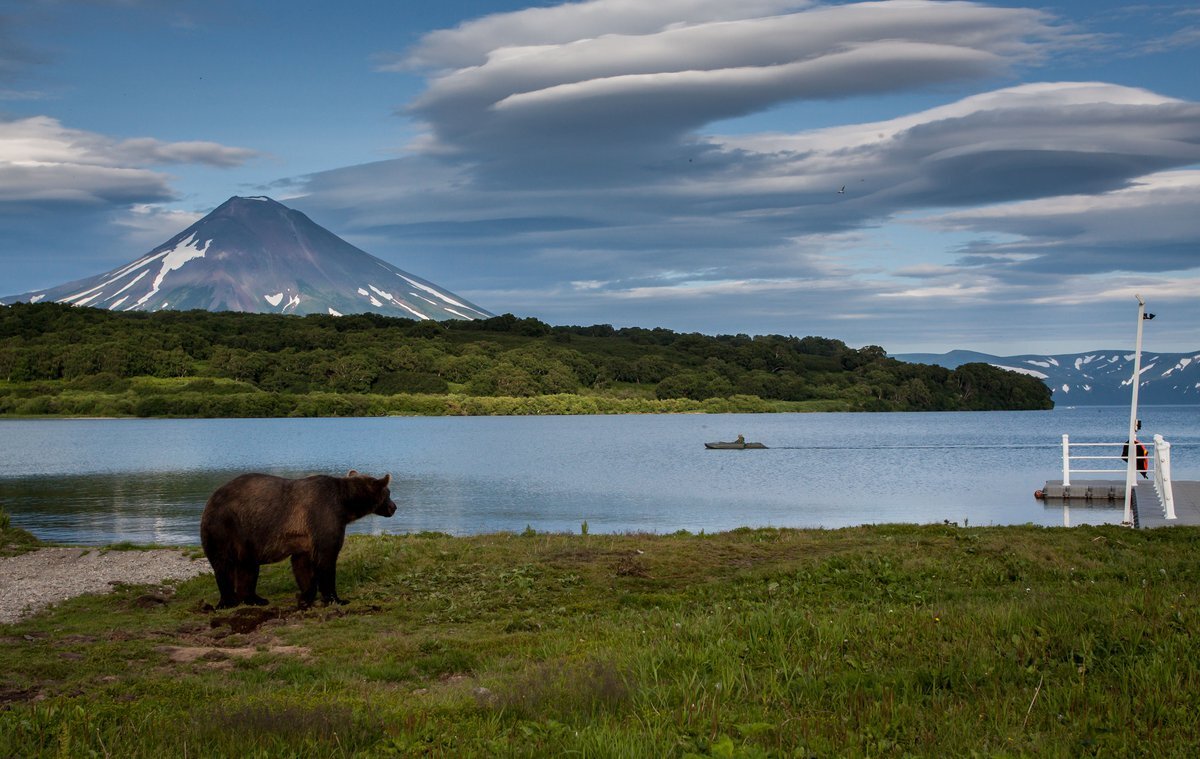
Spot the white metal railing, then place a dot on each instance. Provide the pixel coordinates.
(1162, 476)
(1159, 462)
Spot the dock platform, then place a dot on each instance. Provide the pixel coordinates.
(1149, 512)
(1147, 509)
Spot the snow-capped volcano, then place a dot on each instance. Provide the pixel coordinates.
(254, 254)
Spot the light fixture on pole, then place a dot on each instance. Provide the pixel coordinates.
(1131, 452)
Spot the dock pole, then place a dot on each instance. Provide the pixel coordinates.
(1066, 461)
(1131, 446)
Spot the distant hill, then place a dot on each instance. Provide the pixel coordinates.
(257, 255)
(1094, 378)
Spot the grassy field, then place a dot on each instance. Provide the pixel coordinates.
(873, 641)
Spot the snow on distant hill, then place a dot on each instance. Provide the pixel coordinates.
(1095, 378)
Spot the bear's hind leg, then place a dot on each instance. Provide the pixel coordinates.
(302, 569)
(229, 598)
(224, 575)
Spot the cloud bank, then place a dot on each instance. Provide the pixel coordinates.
(755, 166)
(631, 87)
(572, 165)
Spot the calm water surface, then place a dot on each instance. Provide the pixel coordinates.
(105, 481)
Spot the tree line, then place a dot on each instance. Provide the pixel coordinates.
(54, 358)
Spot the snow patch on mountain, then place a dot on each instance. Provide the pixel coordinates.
(73, 299)
(275, 299)
(414, 311)
(130, 284)
(1181, 365)
(390, 298)
(1023, 370)
(173, 260)
(434, 293)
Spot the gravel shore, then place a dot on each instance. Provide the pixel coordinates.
(32, 581)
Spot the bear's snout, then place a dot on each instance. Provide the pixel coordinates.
(387, 508)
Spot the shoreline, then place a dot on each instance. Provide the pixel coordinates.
(46, 575)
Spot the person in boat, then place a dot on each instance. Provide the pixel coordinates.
(741, 440)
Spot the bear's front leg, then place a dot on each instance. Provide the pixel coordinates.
(327, 583)
(302, 569)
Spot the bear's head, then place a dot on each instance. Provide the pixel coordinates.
(372, 496)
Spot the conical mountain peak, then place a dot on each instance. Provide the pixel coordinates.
(256, 254)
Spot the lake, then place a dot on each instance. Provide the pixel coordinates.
(98, 481)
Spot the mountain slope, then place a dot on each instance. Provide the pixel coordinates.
(254, 254)
(1094, 378)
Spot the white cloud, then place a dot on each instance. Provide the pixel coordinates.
(41, 160)
(643, 88)
(1149, 225)
(943, 292)
(1075, 291)
(474, 42)
(755, 194)
(145, 150)
(147, 225)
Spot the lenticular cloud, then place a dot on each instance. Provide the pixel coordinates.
(602, 75)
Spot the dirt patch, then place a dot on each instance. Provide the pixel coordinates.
(631, 566)
(16, 695)
(216, 654)
(247, 619)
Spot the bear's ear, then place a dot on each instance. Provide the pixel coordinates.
(352, 473)
(386, 479)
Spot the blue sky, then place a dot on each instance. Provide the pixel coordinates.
(1013, 172)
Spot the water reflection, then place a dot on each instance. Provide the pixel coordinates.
(141, 507)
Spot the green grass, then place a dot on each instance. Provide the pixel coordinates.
(872, 641)
(14, 540)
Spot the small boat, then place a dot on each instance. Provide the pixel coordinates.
(737, 445)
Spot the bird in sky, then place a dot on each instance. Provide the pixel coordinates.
(842, 191)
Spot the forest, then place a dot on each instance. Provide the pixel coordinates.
(70, 361)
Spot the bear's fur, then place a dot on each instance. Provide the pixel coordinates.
(258, 519)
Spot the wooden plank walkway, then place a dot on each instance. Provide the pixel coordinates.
(1147, 509)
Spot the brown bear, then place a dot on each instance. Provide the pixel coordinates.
(258, 519)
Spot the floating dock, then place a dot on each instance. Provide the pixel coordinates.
(1147, 508)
